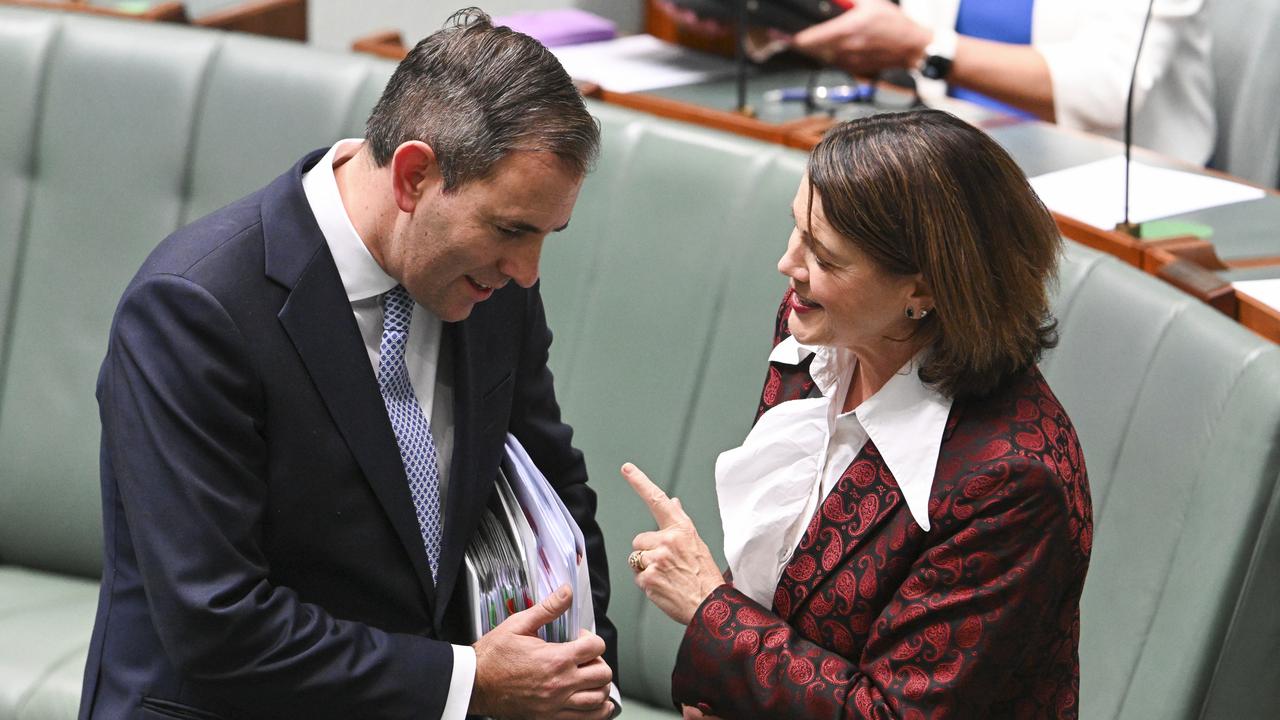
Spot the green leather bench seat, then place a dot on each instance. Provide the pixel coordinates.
(45, 622)
(661, 293)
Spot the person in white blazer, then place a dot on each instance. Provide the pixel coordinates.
(1075, 71)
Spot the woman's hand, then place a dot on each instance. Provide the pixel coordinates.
(871, 36)
(674, 567)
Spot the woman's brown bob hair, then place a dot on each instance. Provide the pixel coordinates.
(924, 192)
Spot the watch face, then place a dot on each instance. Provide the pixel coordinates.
(936, 67)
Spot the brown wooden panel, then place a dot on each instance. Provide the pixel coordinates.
(1253, 262)
(1125, 247)
(698, 115)
(1192, 278)
(275, 18)
(1187, 247)
(384, 43)
(1259, 317)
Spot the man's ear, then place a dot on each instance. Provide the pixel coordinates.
(414, 174)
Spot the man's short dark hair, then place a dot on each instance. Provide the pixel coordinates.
(476, 93)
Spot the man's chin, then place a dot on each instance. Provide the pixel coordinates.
(457, 314)
(458, 310)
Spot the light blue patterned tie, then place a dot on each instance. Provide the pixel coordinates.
(413, 430)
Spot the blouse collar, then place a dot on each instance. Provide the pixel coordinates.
(906, 418)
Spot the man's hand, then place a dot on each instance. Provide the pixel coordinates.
(518, 675)
(689, 712)
(676, 570)
(871, 36)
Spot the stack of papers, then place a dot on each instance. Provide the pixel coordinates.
(640, 62)
(527, 546)
(1094, 193)
(1265, 291)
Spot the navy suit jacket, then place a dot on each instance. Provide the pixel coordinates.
(262, 556)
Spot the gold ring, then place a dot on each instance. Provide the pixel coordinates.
(636, 560)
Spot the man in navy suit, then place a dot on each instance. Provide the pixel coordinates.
(304, 403)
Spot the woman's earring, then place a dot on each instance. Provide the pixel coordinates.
(911, 313)
(923, 313)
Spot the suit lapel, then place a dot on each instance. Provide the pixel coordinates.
(317, 318)
(861, 501)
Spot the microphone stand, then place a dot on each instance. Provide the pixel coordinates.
(1125, 226)
(740, 58)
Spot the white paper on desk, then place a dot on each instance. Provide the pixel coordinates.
(1094, 193)
(639, 62)
(1266, 291)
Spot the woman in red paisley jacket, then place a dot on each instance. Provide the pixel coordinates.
(908, 523)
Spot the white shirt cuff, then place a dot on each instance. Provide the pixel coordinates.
(461, 683)
(617, 700)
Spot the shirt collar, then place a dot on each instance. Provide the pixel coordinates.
(906, 418)
(361, 275)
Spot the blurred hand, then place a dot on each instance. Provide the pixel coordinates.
(688, 712)
(872, 36)
(762, 43)
(679, 571)
(690, 21)
(519, 675)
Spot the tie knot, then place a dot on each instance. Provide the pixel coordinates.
(397, 308)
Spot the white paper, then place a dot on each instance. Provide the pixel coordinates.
(639, 62)
(1094, 193)
(558, 553)
(1266, 291)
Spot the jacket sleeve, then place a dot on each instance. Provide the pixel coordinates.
(1090, 70)
(182, 411)
(535, 419)
(953, 634)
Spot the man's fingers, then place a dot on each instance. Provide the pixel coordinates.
(660, 506)
(587, 648)
(588, 699)
(594, 674)
(527, 622)
(603, 712)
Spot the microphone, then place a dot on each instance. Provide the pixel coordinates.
(1125, 226)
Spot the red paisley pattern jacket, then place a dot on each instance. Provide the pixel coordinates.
(875, 618)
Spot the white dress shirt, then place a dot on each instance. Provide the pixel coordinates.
(769, 488)
(429, 369)
(1090, 47)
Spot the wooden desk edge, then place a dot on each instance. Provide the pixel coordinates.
(387, 44)
(285, 19)
(1258, 316)
(697, 115)
(1112, 242)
